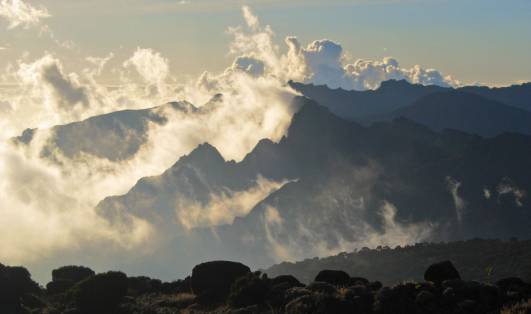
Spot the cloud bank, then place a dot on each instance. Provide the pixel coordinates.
(234, 109)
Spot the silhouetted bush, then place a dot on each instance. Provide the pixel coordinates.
(399, 299)
(100, 293)
(333, 277)
(15, 282)
(249, 290)
(288, 280)
(72, 273)
(58, 286)
(519, 308)
(252, 293)
(179, 286)
(318, 303)
(212, 281)
(65, 277)
(360, 297)
(439, 272)
(142, 285)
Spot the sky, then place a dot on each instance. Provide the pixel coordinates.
(474, 41)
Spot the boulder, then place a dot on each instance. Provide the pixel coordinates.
(211, 281)
(439, 272)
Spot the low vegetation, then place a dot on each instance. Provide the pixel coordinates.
(231, 287)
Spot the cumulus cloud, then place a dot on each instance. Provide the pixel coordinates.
(20, 13)
(321, 62)
(250, 18)
(63, 90)
(152, 68)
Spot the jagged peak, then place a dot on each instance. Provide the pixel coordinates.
(203, 154)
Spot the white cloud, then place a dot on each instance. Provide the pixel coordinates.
(225, 207)
(47, 73)
(459, 202)
(507, 187)
(305, 242)
(152, 68)
(254, 105)
(20, 13)
(250, 18)
(42, 210)
(322, 61)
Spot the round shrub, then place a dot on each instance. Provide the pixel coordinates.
(289, 280)
(439, 272)
(15, 282)
(333, 277)
(211, 281)
(72, 273)
(101, 293)
(249, 290)
(141, 285)
(58, 286)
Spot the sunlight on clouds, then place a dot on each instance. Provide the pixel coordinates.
(20, 13)
(232, 110)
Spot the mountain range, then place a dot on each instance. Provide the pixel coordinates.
(475, 109)
(332, 185)
(398, 165)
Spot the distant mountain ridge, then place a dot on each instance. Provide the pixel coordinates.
(480, 259)
(114, 136)
(466, 112)
(481, 110)
(348, 185)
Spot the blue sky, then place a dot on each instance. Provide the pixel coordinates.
(473, 40)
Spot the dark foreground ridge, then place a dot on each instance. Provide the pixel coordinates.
(231, 287)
